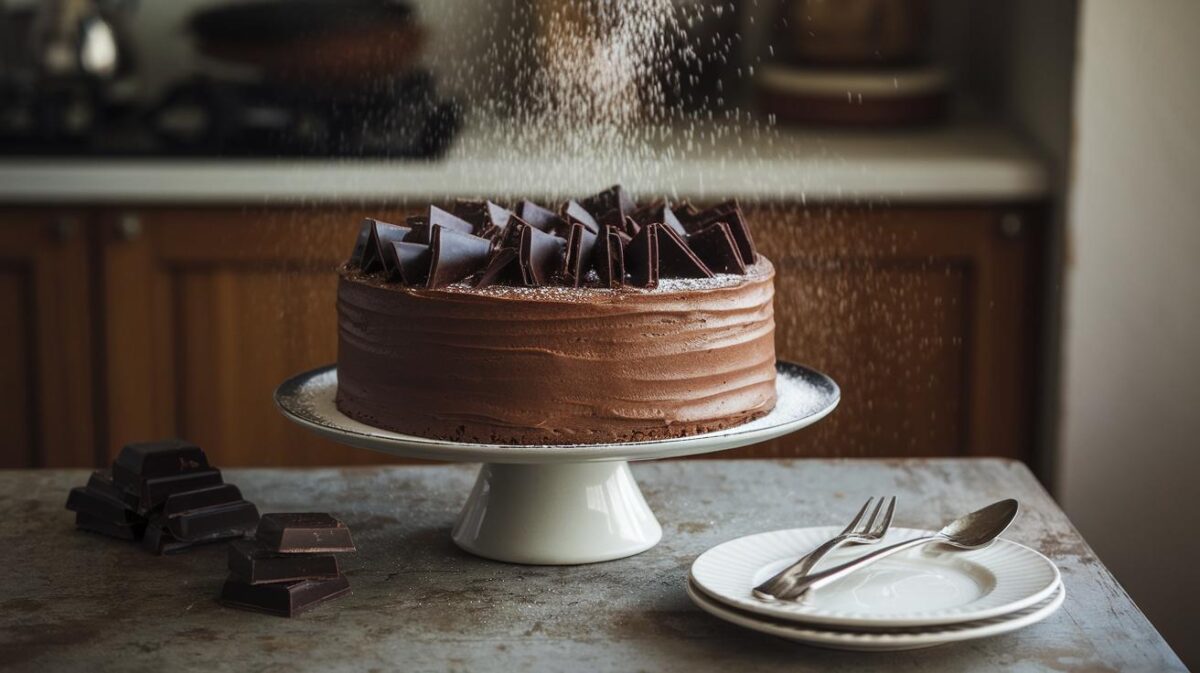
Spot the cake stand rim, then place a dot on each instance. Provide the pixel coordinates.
(410, 446)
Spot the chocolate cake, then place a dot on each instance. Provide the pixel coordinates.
(598, 321)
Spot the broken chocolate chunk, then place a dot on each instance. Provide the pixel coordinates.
(213, 496)
(577, 213)
(715, 246)
(236, 519)
(541, 218)
(541, 254)
(608, 257)
(729, 212)
(146, 460)
(254, 563)
(503, 266)
(444, 218)
(361, 242)
(101, 482)
(303, 533)
(499, 215)
(578, 259)
(455, 256)
(285, 599)
(641, 257)
(675, 259)
(83, 500)
(407, 263)
(614, 198)
(155, 491)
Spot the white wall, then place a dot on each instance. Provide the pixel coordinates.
(1130, 456)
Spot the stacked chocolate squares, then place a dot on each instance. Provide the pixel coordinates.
(165, 494)
(289, 566)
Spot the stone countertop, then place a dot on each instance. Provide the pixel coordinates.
(76, 601)
(959, 162)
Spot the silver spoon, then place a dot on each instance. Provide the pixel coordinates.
(971, 531)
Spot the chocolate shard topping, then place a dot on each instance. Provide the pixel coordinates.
(580, 245)
(474, 211)
(541, 254)
(443, 218)
(641, 257)
(671, 220)
(715, 246)
(541, 218)
(454, 256)
(361, 242)
(613, 198)
(420, 231)
(675, 258)
(609, 258)
(408, 263)
(498, 215)
(575, 212)
(730, 213)
(501, 267)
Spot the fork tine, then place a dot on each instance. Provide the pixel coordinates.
(858, 517)
(863, 530)
(886, 522)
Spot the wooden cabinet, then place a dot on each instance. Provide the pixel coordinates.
(927, 317)
(46, 366)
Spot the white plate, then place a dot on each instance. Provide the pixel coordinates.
(920, 587)
(880, 641)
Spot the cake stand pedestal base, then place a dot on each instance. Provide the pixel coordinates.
(556, 514)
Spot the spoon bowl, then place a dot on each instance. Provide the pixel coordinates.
(979, 528)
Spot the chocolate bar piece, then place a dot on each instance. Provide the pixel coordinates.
(303, 533)
(285, 599)
(212, 496)
(121, 531)
(154, 492)
(84, 500)
(253, 562)
(159, 540)
(101, 482)
(212, 523)
(148, 460)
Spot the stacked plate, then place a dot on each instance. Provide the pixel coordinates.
(923, 597)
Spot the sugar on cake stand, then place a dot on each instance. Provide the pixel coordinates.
(556, 504)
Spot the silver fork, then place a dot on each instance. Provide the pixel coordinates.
(855, 533)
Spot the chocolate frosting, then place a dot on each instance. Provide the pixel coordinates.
(555, 365)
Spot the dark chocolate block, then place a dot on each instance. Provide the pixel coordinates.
(303, 533)
(154, 492)
(101, 482)
(253, 562)
(159, 540)
(84, 500)
(212, 496)
(149, 460)
(224, 521)
(285, 599)
(121, 531)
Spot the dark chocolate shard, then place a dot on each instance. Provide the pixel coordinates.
(499, 215)
(140, 461)
(252, 562)
(408, 263)
(503, 266)
(609, 258)
(474, 211)
(649, 214)
(372, 259)
(614, 218)
(236, 519)
(541, 218)
(576, 213)
(541, 254)
(303, 533)
(444, 218)
(360, 243)
(83, 500)
(101, 482)
(675, 258)
(641, 257)
(715, 246)
(578, 259)
(285, 599)
(455, 256)
(201, 498)
(122, 531)
(730, 213)
(671, 220)
(613, 198)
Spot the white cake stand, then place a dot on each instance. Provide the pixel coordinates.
(556, 504)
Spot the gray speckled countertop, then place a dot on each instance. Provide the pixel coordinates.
(75, 601)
